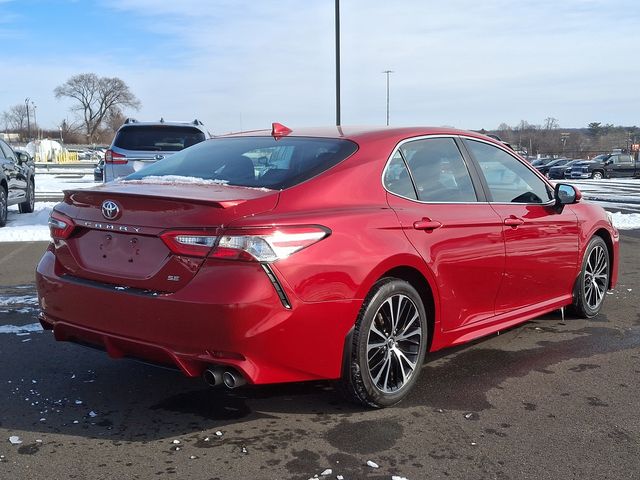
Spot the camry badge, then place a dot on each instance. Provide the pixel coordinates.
(110, 210)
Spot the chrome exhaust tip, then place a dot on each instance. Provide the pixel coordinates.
(213, 376)
(233, 379)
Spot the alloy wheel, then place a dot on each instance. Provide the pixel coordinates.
(596, 277)
(393, 344)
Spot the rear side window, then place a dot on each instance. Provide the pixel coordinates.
(157, 138)
(261, 162)
(439, 171)
(397, 179)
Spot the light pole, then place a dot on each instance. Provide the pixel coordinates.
(337, 20)
(35, 122)
(388, 72)
(26, 102)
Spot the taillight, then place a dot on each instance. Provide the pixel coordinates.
(256, 245)
(189, 243)
(60, 226)
(267, 244)
(115, 158)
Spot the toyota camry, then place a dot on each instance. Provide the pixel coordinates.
(338, 253)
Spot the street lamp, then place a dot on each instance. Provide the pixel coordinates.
(26, 102)
(387, 72)
(337, 20)
(35, 122)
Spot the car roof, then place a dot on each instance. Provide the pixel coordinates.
(366, 133)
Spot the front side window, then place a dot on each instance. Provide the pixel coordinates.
(439, 171)
(508, 179)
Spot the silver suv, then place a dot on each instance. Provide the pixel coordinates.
(138, 144)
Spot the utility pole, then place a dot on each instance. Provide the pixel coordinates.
(26, 102)
(388, 72)
(337, 20)
(35, 122)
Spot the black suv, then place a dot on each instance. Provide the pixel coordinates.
(17, 185)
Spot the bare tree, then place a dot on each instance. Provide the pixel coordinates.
(15, 119)
(96, 97)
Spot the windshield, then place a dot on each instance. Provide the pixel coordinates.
(169, 138)
(260, 162)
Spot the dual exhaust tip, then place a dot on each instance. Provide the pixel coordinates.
(215, 376)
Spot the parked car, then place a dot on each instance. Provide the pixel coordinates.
(139, 144)
(621, 165)
(544, 168)
(563, 170)
(98, 172)
(17, 182)
(542, 161)
(593, 168)
(349, 257)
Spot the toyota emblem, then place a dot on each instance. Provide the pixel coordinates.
(159, 157)
(110, 210)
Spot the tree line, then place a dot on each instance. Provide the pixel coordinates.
(549, 138)
(97, 102)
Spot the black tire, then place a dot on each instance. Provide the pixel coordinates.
(399, 354)
(597, 175)
(593, 281)
(3, 206)
(30, 203)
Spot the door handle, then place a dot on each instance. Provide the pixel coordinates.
(426, 224)
(513, 222)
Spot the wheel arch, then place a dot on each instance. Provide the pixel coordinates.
(606, 236)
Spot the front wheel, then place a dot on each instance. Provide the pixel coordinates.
(593, 281)
(30, 202)
(597, 175)
(389, 345)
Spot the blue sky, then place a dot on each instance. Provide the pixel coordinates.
(243, 64)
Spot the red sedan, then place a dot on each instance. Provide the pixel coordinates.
(337, 253)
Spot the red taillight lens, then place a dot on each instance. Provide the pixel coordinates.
(267, 244)
(60, 226)
(189, 243)
(115, 158)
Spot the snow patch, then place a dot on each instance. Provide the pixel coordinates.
(17, 329)
(626, 221)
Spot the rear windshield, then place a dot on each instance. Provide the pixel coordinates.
(261, 162)
(158, 138)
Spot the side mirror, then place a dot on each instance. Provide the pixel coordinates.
(22, 157)
(565, 194)
(608, 162)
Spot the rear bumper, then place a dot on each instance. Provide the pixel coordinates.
(229, 314)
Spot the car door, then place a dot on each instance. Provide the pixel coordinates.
(458, 235)
(541, 244)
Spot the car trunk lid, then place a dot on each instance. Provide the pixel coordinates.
(126, 250)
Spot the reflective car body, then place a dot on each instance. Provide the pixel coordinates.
(479, 263)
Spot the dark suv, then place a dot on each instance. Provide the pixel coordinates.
(138, 144)
(17, 185)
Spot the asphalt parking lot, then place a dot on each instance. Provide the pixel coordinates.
(553, 398)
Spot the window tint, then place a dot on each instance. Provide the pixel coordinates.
(508, 179)
(397, 179)
(157, 138)
(262, 162)
(439, 171)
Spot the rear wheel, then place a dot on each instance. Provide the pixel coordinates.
(30, 202)
(3, 206)
(593, 281)
(389, 345)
